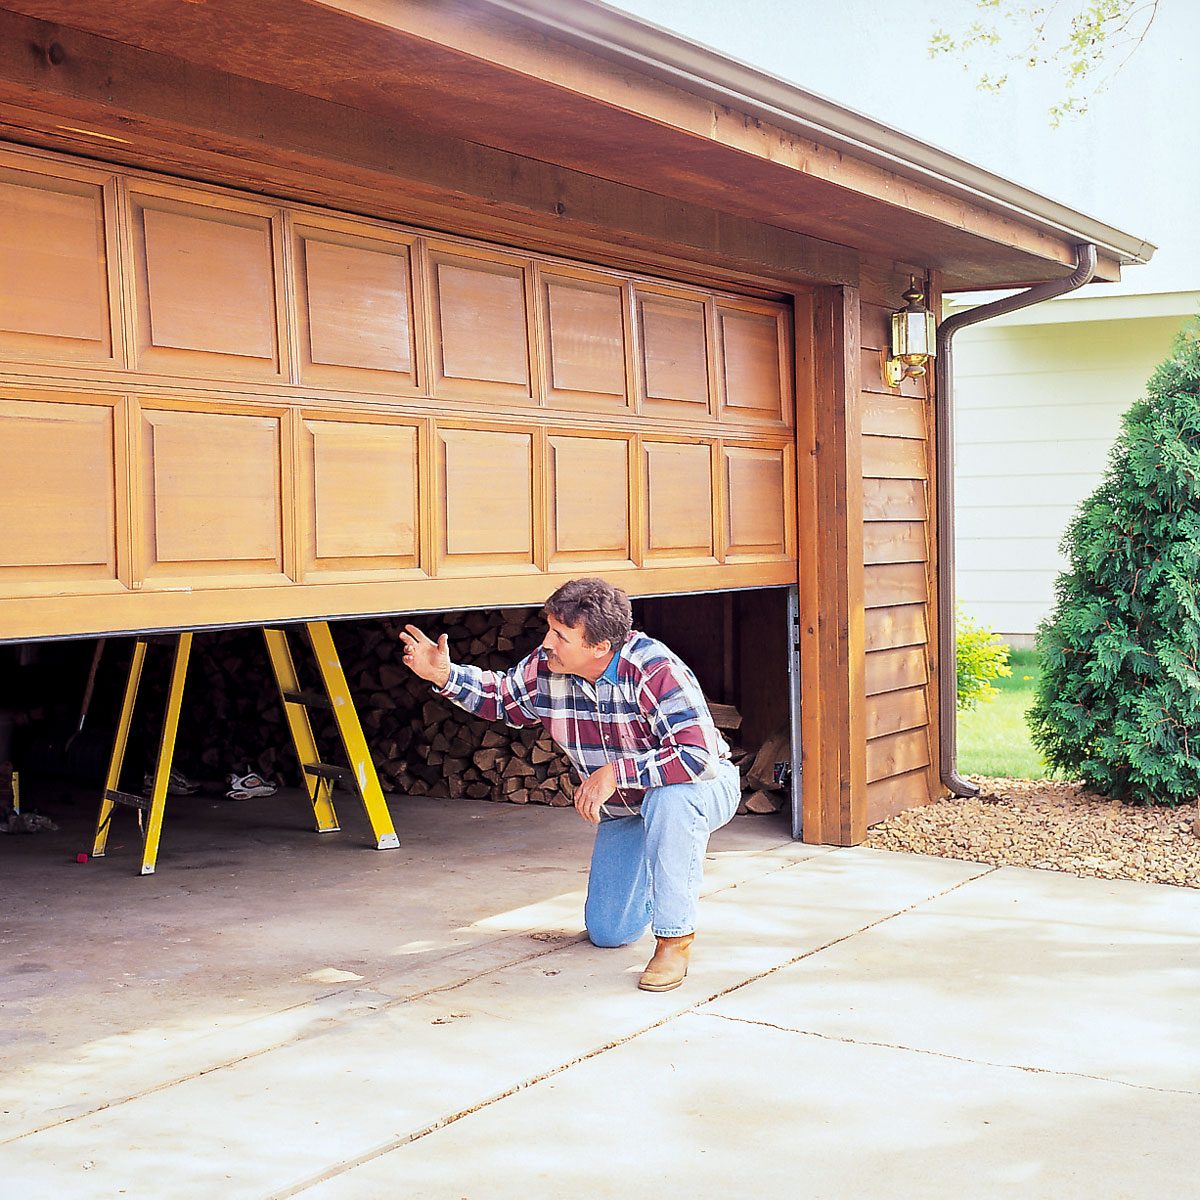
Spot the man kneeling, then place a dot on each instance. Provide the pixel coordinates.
(656, 775)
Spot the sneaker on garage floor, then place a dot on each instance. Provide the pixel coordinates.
(178, 784)
(250, 786)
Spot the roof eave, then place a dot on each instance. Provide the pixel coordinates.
(652, 50)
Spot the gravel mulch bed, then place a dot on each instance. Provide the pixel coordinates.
(1053, 825)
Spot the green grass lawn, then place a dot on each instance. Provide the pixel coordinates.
(993, 739)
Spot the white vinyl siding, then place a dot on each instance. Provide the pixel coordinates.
(1037, 408)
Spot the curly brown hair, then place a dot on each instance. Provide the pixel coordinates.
(602, 608)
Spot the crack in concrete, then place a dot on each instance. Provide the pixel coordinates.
(978, 1062)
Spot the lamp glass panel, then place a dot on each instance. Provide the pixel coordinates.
(916, 333)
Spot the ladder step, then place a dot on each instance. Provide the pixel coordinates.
(128, 799)
(329, 771)
(308, 699)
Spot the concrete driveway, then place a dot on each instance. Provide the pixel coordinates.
(279, 1014)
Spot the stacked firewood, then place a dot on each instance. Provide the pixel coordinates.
(764, 782)
(421, 744)
(426, 746)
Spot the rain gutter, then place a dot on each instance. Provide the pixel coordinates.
(1085, 269)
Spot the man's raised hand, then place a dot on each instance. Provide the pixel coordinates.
(428, 659)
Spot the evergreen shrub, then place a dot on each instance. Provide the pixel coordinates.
(1118, 702)
(982, 657)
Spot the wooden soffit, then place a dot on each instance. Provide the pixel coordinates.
(463, 101)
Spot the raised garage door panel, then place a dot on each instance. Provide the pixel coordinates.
(585, 339)
(62, 470)
(673, 355)
(679, 490)
(756, 354)
(355, 309)
(206, 289)
(487, 498)
(481, 333)
(361, 496)
(212, 494)
(54, 285)
(217, 408)
(758, 506)
(590, 501)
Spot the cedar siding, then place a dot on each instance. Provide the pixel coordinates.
(900, 581)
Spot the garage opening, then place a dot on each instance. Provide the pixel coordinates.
(257, 412)
(59, 703)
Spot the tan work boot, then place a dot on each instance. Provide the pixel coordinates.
(669, 965)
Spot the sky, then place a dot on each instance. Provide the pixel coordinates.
(1133, 161)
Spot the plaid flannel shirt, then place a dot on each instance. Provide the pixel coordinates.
(652, 723)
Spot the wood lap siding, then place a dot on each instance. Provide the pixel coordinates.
(231, 409)
(899, 579)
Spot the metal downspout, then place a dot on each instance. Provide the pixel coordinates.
(1085, 268)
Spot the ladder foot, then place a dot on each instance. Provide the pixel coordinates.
(148, 869)
(389, 841)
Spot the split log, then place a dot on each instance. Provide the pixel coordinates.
(763, 802)
(777, 748)
(392, 678)
(725, 716)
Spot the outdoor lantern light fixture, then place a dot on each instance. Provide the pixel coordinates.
(913, 334)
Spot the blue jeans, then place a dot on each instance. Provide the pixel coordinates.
(647, 869)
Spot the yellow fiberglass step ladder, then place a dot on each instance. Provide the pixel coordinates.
(359, 776)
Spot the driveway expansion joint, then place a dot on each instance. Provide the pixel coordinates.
(692, 1009)
(398, 1143)
(385, 1003)
(328, 1025)
(452, 1118)
(845, 937)
(945, 1054)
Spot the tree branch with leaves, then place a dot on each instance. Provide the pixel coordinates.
(1089, 42)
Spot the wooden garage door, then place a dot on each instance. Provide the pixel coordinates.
(220, 409)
